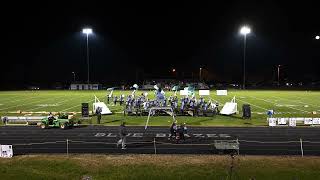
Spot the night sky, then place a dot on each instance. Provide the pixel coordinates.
(43, 43)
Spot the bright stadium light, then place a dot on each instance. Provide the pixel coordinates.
(244, 31)
(87, 32)
(317, 37)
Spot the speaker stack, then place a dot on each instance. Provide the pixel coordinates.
(85, 110)
(246, 110)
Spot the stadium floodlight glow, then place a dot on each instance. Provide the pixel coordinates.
(87, 31)
(245, 30)
(317, 37)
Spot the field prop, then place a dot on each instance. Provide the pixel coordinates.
(104, 108)
(230, 107)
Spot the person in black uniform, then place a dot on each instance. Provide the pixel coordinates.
(121, 99)
(50, 118)
(98, 113)
(115, 100)
(108, 99)
(173, 130)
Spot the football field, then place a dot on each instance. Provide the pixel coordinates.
(284, 103)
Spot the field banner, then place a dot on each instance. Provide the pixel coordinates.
(183, 92)
(204, 92)
(282, 121)
(308, 121)
(299, 119)
(6, 151)
(293, 122)
(222, 92)
(316, 121)
(272, 122)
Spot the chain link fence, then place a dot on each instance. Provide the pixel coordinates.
(160, 146)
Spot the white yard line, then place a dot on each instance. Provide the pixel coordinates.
(54, 102)
(300, 102)
(12, 97)
(277, 103)
(273, 103)
(22, 99)
(66, 100)
(80, 104)
(252, 104)
(24, 104)
(247, 103)
(73, 107)
(216, 100)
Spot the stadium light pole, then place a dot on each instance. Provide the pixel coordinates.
(87, 32)
(74, 76)
(279, 75)
(200, 73)
(244, 31)
(174, 73)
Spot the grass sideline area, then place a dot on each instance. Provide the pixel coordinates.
(159, 167)
(285, 103)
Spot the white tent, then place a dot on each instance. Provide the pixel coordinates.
(204, 92)
(102, 105)
(230, 107)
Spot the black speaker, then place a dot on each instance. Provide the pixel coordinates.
(85, 110)
(246, 110)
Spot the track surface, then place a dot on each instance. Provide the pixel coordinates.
(199, 140)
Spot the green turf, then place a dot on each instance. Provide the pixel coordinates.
(159, 167)
(286, 103)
